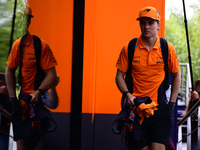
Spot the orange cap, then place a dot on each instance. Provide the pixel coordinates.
(28, 11)
(149, 12)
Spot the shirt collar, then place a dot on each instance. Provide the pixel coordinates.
(28, 40)
(142, 46)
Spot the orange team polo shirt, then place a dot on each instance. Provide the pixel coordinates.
(148, 67)
(29, 66)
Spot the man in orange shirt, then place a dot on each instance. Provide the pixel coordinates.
(148, 80)
(27, 79)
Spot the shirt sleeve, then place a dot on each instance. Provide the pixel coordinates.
(122, 62)
(13, 58)
(173, 62)
(47, 59)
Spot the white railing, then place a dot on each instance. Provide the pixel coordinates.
(186, 74)
(185, 93)
(12, 144)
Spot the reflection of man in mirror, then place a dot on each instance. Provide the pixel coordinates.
(34, 82)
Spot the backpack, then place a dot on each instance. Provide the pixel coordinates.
(131, 50)
(39, 76)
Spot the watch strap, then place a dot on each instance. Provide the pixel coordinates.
(172, 104)
(12, 99)
(125, 93)
(41, 91)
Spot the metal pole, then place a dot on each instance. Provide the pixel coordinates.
(13, 26)
(77, 75)
(188, 45)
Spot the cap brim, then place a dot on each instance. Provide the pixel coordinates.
(31, 16)
(146, 17)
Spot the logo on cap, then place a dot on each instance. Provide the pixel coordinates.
(147, 10)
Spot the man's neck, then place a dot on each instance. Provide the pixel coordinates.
(149, 42)
(25, 36)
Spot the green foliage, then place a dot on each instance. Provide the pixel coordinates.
(6, 15)
(175, 33)
(5, 29)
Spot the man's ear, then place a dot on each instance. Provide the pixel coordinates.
(159, 25)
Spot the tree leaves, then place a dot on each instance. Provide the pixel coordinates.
(175, 33)
(6, 15)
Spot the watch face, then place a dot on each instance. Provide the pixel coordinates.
(172, 104)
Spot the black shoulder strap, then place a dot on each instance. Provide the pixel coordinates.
(164, 48)
(37, 47)
(131, 50)
(20, 57)
(40, 73)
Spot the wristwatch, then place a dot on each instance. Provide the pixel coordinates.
(12, 99)
(125, 93)
(41, 91)
(172, 104)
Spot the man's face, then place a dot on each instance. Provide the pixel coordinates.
(149, 27)
(26, 22)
